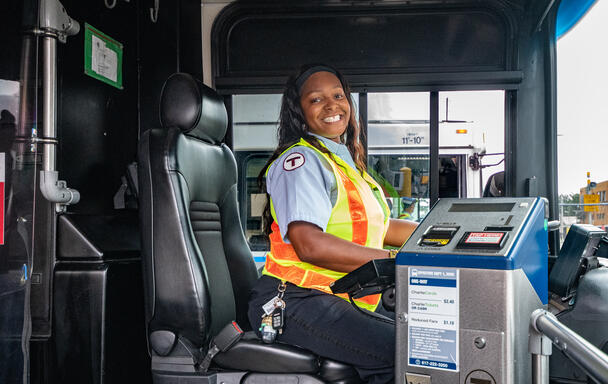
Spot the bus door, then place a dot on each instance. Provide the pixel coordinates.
(19, 164)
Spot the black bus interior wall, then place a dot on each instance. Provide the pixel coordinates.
(86, 287)
(98, 124)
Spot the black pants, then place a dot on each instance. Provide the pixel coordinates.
(330, 327)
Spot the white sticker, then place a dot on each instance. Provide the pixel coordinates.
(484, 238)
(271, 305)
(293, 161)
(104, 61)
(433, 321)
(2, 163)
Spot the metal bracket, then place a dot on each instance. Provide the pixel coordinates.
(54, 19)
(539, 344)
(56, 191)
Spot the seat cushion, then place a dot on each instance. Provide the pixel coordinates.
(251, 354)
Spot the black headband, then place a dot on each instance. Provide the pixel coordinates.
(311, 71)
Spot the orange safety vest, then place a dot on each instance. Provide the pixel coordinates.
(360, 214)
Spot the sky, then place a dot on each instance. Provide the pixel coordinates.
(582, 121)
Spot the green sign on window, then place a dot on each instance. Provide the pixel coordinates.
(102, 57)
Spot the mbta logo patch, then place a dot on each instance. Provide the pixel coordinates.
(293, 161)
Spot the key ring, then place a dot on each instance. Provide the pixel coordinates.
(282, 287)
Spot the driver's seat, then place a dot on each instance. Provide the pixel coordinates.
(198, 269)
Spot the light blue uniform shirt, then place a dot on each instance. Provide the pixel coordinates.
(302, 185)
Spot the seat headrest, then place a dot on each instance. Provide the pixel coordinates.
(194, 108)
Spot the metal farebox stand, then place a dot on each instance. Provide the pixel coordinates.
(467, 281)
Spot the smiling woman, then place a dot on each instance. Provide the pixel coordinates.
(326, 216)
(325, 106)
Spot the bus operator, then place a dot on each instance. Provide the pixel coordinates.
(327, 217)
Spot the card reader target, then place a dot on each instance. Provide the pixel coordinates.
(438, 236)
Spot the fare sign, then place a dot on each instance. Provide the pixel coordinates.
(433, 320)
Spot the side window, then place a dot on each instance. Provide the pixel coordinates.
(254, 126)
(581, 121)
(254, 199)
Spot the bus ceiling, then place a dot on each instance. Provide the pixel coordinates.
(384, 46)
(474, 46)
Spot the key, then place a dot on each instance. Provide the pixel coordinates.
(278, 318)
(269, 334)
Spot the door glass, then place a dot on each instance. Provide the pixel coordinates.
(398, 150)
(471, 143)
(18, 106)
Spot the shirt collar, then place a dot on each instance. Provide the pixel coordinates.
(330, 144)
(338, 149)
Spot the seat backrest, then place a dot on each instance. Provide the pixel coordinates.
(198, 269)
(495, 186)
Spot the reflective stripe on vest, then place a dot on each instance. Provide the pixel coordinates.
(357, 216)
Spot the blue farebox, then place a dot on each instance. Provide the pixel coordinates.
(488, 233)
(467, 282)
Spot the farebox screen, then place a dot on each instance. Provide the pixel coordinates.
(475, 207)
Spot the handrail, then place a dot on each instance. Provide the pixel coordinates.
(546, 329)
(56, 25)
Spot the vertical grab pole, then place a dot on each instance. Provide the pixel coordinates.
(540, 369)
(541, 347)
(49, 101)
(55, 24)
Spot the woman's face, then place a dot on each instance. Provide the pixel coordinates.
(325, 106)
